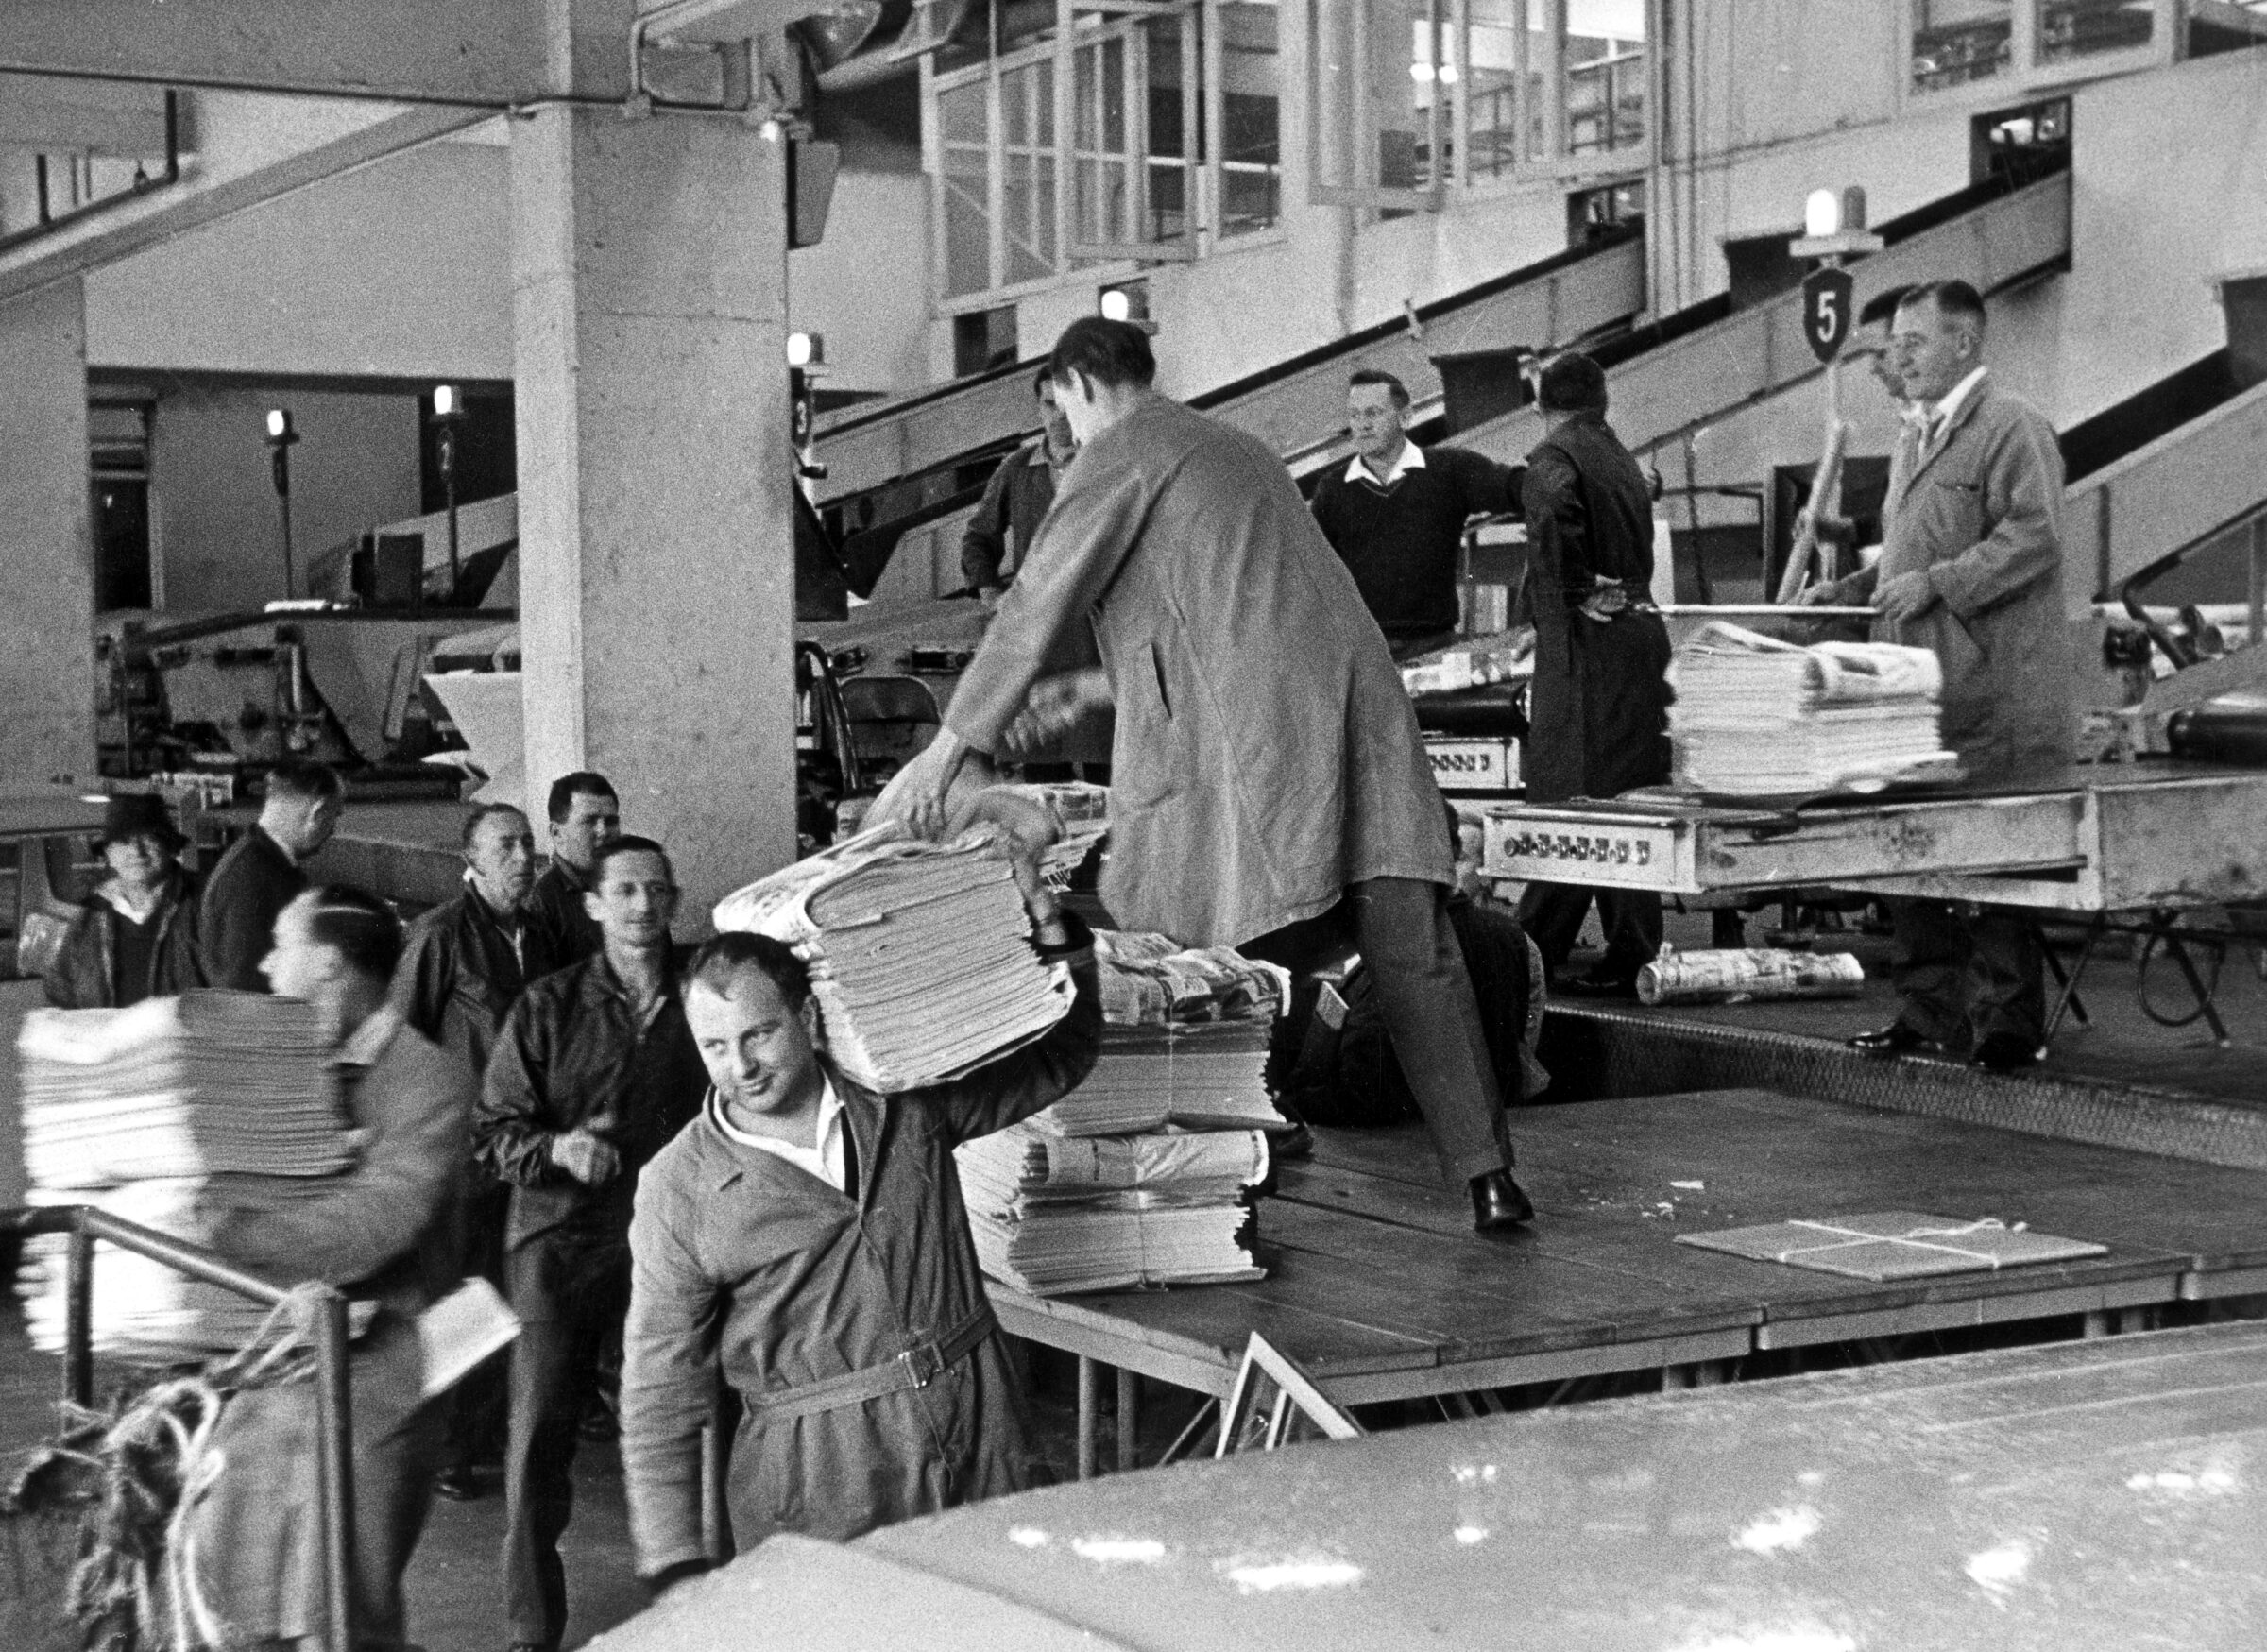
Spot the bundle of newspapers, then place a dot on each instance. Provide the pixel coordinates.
(920, 953)
(1143, 1175)
(167, 1113)
(1755, 716)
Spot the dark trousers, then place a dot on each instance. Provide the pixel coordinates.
(1980, 969)
(477, 1406)
(1552, 915)
(1402, 928)
(570, 1293)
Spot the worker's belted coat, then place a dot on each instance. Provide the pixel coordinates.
(744, 1261)
(1597, 710)
(1265, 754)
(1981, 515)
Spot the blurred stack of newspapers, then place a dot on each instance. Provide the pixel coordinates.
(167, 1113)
(1755, 716)
(1144, 1174)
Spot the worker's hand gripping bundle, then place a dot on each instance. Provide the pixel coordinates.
(1757, 717)
(1144, 1174)
(920, 953)
(163, 1114)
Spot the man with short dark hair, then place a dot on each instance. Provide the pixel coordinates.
(1396, 514)
(1015, 500)
(593, 1073)
(1597, 710)
(260, 873)
(1972, 570)
(464, 965)
(809, 1236)
(585, 817)
(1269, 789)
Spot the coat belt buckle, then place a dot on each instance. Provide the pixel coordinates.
(923, 1365)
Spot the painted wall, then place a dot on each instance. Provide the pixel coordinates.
(864, 287)
(401, 268)
(215, 527)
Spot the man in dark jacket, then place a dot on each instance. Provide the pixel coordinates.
(809, 1235)
(260, 875)
(1396, 514)
(1015, 500)
(592, 1075)
(1597, 710)
(464, 965)
(135, 937)
(585, 817)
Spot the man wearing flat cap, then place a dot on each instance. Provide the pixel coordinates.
(135, 936)
(1597, 712)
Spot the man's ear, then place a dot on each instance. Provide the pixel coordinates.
(590, 906)
(814, 1025)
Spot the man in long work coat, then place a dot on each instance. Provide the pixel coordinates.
(1971, 568)
(1267, 779)
(1597, 710)
(809, 1235)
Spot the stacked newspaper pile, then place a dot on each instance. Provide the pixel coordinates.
(920, 953)
(162, 1114)
(1755, 716)
(1143, 1175)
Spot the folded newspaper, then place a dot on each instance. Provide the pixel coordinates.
(1755, 716)
(920, 953)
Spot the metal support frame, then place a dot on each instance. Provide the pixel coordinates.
(334, 1427)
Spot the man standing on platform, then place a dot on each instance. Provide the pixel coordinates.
(1269, 788)
(1016, 501)
(1971, 568)
(1396, 514)
(585, 817)
(809, 1235)
(260, 875)
(593, 1073)
(1597, 710)
(463, 967)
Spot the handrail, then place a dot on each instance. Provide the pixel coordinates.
(334, 1426)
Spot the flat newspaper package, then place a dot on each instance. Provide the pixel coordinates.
(920, 953)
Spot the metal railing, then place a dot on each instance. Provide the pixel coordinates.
(83, 1225)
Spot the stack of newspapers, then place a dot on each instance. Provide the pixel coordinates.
(164, 1114)
(1755, 716)
(1144, 1174)
(920, 954)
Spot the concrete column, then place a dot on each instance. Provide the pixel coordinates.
(47, 540)
(656, 583)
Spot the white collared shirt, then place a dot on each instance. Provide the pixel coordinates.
(1411, 457)
(1940, 416)
(828, 1161)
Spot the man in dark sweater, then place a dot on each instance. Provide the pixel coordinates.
(260, 875)
(585, 817)
(1396, 514)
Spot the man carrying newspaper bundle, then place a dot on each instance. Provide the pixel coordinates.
(807, 1234)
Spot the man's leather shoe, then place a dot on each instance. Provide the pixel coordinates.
(1497, 1202)
(2004, 1052)
(1894, 1039)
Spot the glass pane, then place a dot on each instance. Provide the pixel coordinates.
(1493, 53)
(2226, 25)
(1027, 102)
(1100, 208)
(1166, 150)
(1959, 41)
(2076, 28)
(1251, 154)
(1605, 76)
(966, 190)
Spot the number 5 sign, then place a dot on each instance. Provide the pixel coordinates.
(1826, 305)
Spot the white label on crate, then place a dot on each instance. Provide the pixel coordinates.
(1469, 765)
(1549, 851)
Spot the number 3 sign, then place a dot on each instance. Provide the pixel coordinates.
(1826, 305)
